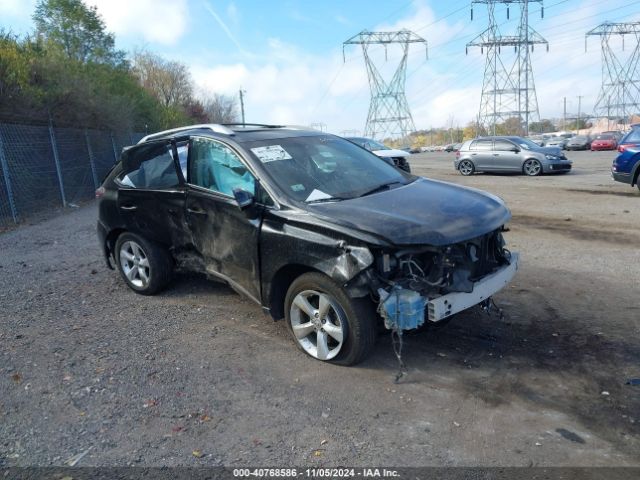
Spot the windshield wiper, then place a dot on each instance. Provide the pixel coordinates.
(329, 199)
(380, 188)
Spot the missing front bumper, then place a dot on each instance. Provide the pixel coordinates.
(447, 305)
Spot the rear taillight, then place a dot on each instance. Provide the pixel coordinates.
(100, 192)
(457, 153)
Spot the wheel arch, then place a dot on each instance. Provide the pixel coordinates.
(110, 245)
(635, 173)
(280, 284)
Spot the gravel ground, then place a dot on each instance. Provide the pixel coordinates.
(86, 365)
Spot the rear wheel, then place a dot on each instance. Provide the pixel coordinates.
(532, 167)
(326, 323)
(466, 167)
(145, 266)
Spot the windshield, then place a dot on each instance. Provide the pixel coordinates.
(323, 168)
(604, 137)
(527, 144)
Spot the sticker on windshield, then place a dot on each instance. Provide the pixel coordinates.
(298, 187)
(317, 195)
(271, 153)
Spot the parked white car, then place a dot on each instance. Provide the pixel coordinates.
(392, 155)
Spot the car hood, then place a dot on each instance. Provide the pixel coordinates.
(424, 212)
(392, 152)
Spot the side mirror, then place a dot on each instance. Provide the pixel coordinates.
(367, 145)
(244, 198)
(515, 150)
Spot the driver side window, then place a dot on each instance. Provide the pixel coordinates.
(214, 166)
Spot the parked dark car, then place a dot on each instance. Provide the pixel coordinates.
(308, 225)
(452, 147)
(626, 166)
(509, 154)
(579, 142)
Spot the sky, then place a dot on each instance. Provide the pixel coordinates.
(287, 55)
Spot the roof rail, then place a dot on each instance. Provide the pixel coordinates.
(214, 127)
(261, 125)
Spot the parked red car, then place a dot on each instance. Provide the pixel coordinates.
(604, 142)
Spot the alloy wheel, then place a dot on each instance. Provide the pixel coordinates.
(532, 167)
(318, 324)
(466, 167)
(135, 264)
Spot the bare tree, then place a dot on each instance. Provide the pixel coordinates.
(169, 81)
(221, 108)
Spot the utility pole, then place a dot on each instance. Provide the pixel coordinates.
(564, 115)
(242, 92)
(578, 121)
(389, 114)
(508, 89)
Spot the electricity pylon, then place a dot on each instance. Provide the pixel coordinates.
(389, 114)
(619, 96)
(508, 89)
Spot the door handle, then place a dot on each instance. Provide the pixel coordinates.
(496, 154)
(196, 211)
(128, 207)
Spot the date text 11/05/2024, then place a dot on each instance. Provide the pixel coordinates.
(315, 472)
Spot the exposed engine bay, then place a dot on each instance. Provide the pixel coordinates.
(410, 280)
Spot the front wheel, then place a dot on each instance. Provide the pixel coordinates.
(532, 167)
(326, 323)
(466, 167)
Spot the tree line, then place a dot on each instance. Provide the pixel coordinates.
(68, 70)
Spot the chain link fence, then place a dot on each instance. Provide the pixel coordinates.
(44, 167)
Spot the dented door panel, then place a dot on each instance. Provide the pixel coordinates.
(225, 238)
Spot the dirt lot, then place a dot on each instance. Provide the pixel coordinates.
(86, 364)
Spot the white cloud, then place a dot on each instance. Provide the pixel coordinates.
(154, 21)
(290, 87)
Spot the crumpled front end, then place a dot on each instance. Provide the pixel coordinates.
(433, 283)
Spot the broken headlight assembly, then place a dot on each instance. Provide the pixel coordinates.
(409, 279)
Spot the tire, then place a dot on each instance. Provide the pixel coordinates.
(145, 266)
(532, 167)
(353, 321)
(466, 168)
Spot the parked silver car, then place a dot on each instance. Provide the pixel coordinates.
(509, 154)
(560, 142)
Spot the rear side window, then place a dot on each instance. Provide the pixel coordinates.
(633, 136)
(150, 167)
(483, 145)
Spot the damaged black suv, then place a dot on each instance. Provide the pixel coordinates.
(310, 226)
